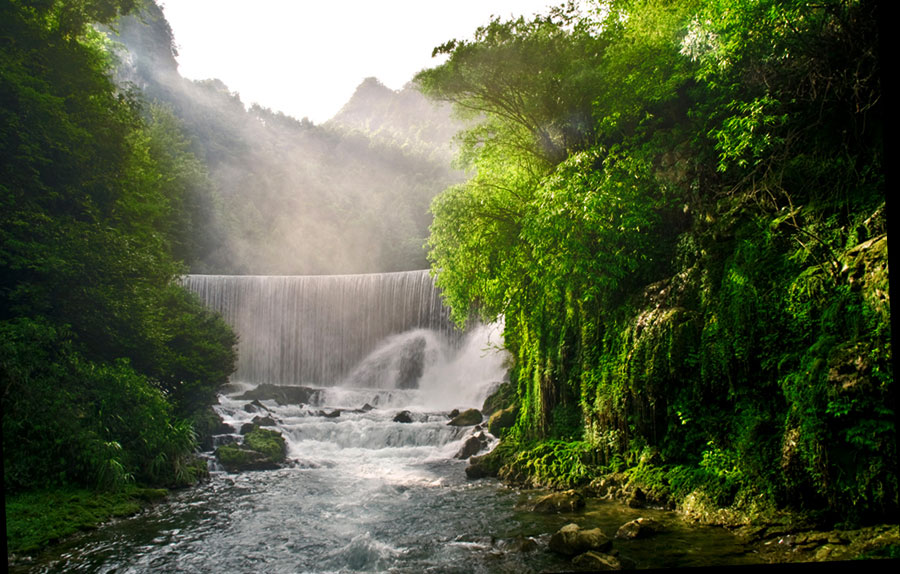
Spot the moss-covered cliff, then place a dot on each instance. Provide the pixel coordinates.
(680, 213)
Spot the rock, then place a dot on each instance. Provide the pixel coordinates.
(366, 408)
(502, 419)
(207, 424)
(453, 413)
(639, 528)
(332, 415)
(484, 465)
(597, 561)
(266, 421)
(568, 501)
(466, 418)
(247, 427)
(262, 449)
(571, 539)
(283, 395)
(472, 446)
(255, 406)
(637, 499)
(605, 487)
(518, 544)
(403, 417)
(235, 458)
(268, 442)
(501, 397)
(411, 364)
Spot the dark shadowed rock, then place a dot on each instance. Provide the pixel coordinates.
(637, 499)
(639, 528)
(403, 417)
(411, 364)
(265, 421)
(453, 413)
(571, 539)
(332, 415)
(568, 501)
(366, 408)
(466, 418)
(484, 465)
(283, 395)
(472, 446)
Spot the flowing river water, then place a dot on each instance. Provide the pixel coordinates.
(362, 492)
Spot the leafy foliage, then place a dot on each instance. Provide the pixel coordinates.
(103, 354)
(703, 271)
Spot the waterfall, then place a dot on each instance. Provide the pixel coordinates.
(297, 330)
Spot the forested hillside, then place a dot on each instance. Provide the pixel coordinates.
(679, 210)
(104, 358)
(286, 196)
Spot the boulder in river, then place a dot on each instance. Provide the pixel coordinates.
(473, 445)
(266, 421)
(571, 540)
(281, 394)
(236, 458)
(639, 528)
(484, 465)
(567, 501)
(262, 449)
(403, 417)
(467, 418)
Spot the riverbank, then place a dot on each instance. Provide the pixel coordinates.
(769, 535)
(37, 520)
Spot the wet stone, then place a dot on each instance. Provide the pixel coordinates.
(403, 417)
(639, 528)
(567, 501)
(571, 539)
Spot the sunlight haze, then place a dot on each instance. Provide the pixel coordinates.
(306, 58)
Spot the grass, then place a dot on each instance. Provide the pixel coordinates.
(35, 520)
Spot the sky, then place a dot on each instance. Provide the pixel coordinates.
(306, 57)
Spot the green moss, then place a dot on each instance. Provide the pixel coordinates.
(268, 442)
(35, 520)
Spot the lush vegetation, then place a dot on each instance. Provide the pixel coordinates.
(103, 356)
(678, 208)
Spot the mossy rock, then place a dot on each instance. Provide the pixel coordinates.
(262, 449)
(268, 442)
(502, 419)
(485, 465)
(238, 459)
(503, 396)
(468, 417)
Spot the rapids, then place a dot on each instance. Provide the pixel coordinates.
(361, 492)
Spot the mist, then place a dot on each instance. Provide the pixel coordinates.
(287, 196)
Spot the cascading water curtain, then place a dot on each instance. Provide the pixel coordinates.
(315, 329)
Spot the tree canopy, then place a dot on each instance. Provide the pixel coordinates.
(667, 204)
(104, 355)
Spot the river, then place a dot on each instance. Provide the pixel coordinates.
(361, 491)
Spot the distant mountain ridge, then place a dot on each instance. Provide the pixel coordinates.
(289, 196)
(404, 117)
